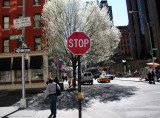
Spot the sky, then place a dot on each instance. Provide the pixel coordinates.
(119, 10)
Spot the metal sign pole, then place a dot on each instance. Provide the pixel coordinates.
(23, 102)
(79, 86)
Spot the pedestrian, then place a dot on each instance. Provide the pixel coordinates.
(47, 81)
(153, 74)
(65, 78)
(139, 75)
(56, 80)
(157, 75)
(51, 93)
(149, 77)
(69, 81)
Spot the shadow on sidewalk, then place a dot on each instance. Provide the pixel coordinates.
(104, 92)
(69, 99)
(6, 116)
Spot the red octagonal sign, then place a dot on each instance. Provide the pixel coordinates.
(78, 43)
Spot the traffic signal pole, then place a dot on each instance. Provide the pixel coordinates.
(79, 86)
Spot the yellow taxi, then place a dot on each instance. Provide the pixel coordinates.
(104, 78)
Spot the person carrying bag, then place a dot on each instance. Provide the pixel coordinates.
(51, 92)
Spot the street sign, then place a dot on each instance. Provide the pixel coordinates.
(15, 37)
(22, 50)
(78, 43)
(154, 48)
(22, 22)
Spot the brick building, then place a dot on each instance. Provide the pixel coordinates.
(123, 50)
(36, 63)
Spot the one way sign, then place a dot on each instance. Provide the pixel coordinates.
(22, 50)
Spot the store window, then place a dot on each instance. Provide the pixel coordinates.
(37, 74)
(5, 76)
(5, 45)
(5, 70)
(36, 64)
(37, 43)
(5, 22)
(37, 2)
(37, 20)
(18, 75)
(6, 3)
(17, 67)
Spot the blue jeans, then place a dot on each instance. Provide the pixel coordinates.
(53, 99)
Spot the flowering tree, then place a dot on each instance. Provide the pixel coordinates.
(63, 17)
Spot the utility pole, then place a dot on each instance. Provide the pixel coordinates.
(23, 102)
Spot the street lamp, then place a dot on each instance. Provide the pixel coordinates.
(149, 39)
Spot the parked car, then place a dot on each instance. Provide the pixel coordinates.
(105, 78)
(87, 77)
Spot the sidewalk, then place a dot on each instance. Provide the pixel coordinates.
(141, 105)
(13, 112)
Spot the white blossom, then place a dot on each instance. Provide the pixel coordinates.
(63, 17)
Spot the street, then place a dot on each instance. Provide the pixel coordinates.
(121, 98)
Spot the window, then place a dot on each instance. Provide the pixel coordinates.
(36, 62)
(37, 2)
(6, 45)
(18, 75)
(37, 74)
(20, 16)
(37, 43)
(5, 67)
(5, 22)
(6, 3)
(37, 20)
(5, 76)
(19, 3)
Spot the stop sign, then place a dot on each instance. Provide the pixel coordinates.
(78, 43)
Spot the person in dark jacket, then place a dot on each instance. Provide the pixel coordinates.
(150, 77)
(153, 74)
(157, 75)
(56, 80)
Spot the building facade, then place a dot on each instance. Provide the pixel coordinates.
(147, 11)
(104, 3)
(123, 50)
(36, 62)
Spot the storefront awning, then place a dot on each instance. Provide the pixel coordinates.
(17, 63)
(5, 64)
(36, 62)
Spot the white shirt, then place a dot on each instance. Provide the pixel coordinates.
(51, 89)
